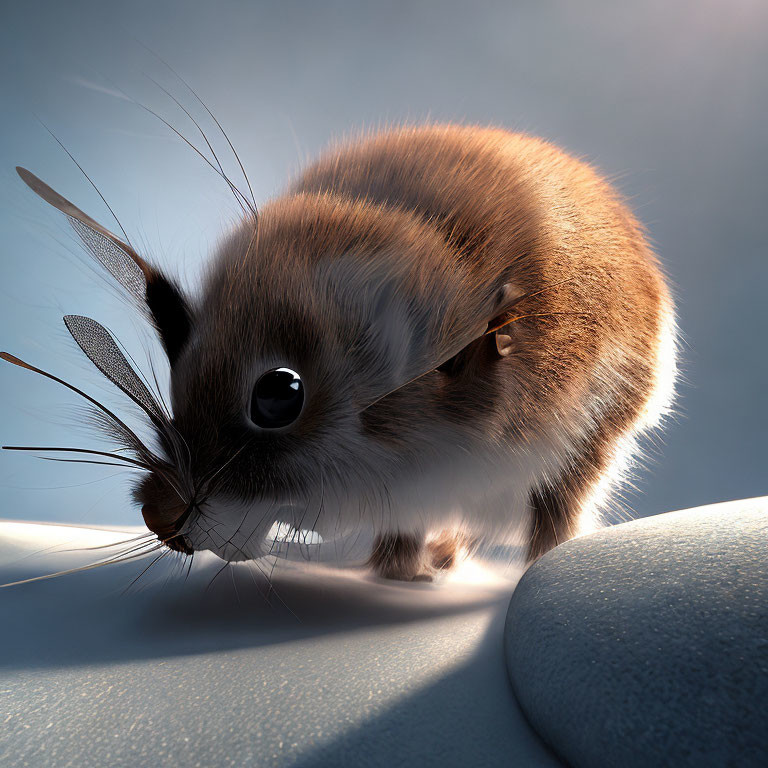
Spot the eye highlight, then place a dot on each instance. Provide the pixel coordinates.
(277, 398)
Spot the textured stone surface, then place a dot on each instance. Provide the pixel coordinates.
(647, 644)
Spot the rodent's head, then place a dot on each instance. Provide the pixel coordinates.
(303, 378)
(310, 365)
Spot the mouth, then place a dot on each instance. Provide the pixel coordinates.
(178, 543)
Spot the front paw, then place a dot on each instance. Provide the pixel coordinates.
(445, 551)
(397, 557)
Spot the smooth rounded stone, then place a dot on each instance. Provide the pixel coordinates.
(646, 644)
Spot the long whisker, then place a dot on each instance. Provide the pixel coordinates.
(91, 566)
(148, 402)
(157, 396)
(212, 116)
(151, 462)
(88, 178)
(86, 461)
(224, 134)
(154, 560)
(170, 426)
(160, 469)
(77, 450)
(200, 130)
(149, 535)
(205, 483)
(148, 546)
(400, 386)
(122, 425)
(242, 200)
(155, 463)
(169, 430)
(157, 390)
(189, 567)
(216, 575)
(237, 193)
(489, 330)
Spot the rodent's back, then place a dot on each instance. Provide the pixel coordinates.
(514, 207)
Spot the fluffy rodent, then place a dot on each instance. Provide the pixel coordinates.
(469, 330)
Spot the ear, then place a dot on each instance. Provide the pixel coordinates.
(416, 341)
(156, 293)
(498, 309)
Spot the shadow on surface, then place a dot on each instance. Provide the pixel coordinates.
(88, 618)
(469, 717)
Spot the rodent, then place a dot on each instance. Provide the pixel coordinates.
(439, 332)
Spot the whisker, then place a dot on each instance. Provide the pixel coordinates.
(149, 535)
(213, 117)
(88, 178)
(205, 139)
(224, 134)
(128, 382)
(236, 192)
(215, 576)
(148, 546)
(273, 590)
(158, 391)
(156, 395)
(76, 450)
(238, 195)
(91, 566)
(84, 461)
(189, 568)
(70, 485)
(124, 427)
(205, 483)
(234, 583)
(154, 560)
(492, 330)
(392, 391)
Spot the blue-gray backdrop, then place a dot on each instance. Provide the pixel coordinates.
(668, 98)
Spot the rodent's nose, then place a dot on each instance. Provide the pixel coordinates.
(163, 520)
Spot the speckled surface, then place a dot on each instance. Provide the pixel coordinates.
(172, 673)
(647, 644)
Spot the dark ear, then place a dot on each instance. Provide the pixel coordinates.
(160, 296)
(171, 315)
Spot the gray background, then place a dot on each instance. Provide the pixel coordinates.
(668, 98)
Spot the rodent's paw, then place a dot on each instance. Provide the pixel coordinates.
(407, 557)
(398, 556)
(447, 549)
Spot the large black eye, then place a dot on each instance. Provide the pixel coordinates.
(277, 398)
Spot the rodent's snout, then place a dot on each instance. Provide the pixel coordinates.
(166, 522)
(163, 510)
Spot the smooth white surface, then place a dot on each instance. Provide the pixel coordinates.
(332, 668)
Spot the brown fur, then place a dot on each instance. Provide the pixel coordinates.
(397, 556)
(377, 275)
(444, 550)
(460, 212)
(514, 207)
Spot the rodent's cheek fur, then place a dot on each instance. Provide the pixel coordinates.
(231, 528)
